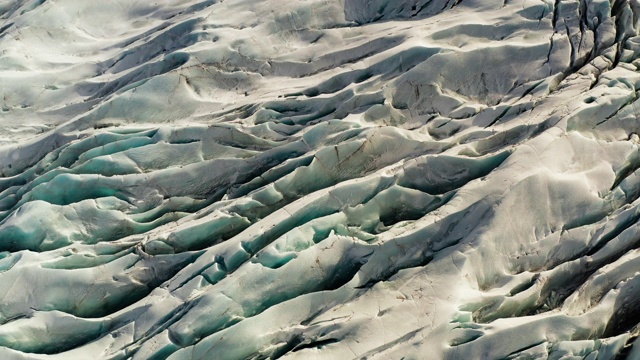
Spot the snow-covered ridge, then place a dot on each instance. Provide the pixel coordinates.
(319, 179)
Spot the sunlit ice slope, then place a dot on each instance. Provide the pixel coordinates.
(319, 179)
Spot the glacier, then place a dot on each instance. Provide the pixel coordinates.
(319, 179)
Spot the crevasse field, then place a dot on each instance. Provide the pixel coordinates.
(319, 179)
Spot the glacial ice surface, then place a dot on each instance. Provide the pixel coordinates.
(319, 179)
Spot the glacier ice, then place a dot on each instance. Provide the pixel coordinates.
(319, 179)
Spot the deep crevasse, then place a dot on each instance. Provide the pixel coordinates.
(330, 179)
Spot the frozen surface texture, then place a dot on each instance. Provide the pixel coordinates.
(319, 179)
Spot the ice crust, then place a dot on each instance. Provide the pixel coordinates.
(319, 179)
